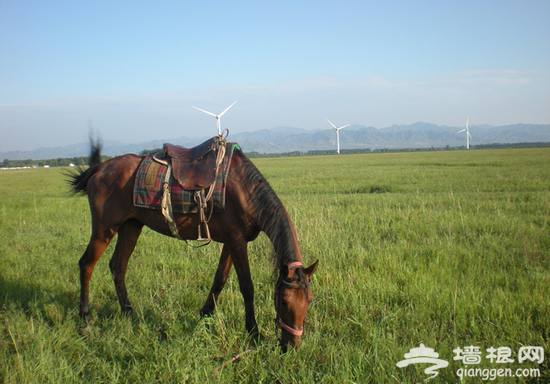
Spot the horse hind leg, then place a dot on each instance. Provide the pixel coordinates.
(128, 235)
(101, 237)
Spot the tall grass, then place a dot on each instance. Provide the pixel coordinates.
(449, 249)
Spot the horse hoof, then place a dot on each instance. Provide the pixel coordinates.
(85, 317)
(205, 313)
(257, 338)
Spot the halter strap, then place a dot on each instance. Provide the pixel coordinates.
(291, 330)
(295, 286)
(294, 265)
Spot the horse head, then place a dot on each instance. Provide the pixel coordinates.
(292, 298)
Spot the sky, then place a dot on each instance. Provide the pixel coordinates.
(134, 69)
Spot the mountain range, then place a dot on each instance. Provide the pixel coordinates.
(290, 139)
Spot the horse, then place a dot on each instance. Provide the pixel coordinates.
(251, 207)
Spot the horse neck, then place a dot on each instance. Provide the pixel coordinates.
(271, 217)
(280, 231)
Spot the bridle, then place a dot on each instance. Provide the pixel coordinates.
(282, 282)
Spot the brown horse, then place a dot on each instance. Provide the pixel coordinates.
(251, 206)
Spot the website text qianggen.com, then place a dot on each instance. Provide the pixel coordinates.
(494, 373)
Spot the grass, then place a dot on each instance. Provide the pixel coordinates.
(449, 249)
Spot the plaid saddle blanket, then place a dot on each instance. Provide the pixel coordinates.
(148, 187)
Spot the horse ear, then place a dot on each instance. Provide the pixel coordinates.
(311, 269)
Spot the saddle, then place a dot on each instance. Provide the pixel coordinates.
(195, 168)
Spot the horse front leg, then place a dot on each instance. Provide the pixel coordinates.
(224, 267)
(239, 255)
(128, 235)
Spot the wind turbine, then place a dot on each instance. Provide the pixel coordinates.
(337, 133)
(217, 116)
(468, 136)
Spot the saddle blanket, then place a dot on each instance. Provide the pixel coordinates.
(148, 187)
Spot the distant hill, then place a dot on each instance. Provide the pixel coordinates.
(418, 135)
(289, 139)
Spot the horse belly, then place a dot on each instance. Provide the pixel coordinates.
(187, 224)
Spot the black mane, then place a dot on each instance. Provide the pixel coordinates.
(273, 219)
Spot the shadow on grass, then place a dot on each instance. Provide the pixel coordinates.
(35, 300)
(54, 307)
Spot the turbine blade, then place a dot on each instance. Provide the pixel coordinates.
(331, 123)
(344, 126)
(202, 110)
(467, 122)
(462, 130)
(221, 114)
(469, 135)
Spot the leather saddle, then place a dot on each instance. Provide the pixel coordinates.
(195, 168)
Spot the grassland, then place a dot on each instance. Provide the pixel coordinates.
(449, 249)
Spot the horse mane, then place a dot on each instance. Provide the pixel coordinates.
(272, 216)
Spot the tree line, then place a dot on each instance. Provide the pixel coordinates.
(59, 162)
(85, 160)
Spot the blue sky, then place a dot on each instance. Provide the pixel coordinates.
(136, 68)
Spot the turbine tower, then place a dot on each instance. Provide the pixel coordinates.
(337, 133)
(217, 117)
(468, 136)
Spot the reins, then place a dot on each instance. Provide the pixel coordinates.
(282, 282)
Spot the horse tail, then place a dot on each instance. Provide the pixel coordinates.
(78, 180)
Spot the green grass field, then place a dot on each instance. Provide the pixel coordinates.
(449, 249)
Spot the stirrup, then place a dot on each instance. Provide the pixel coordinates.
(207, 238)
(202, 202)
